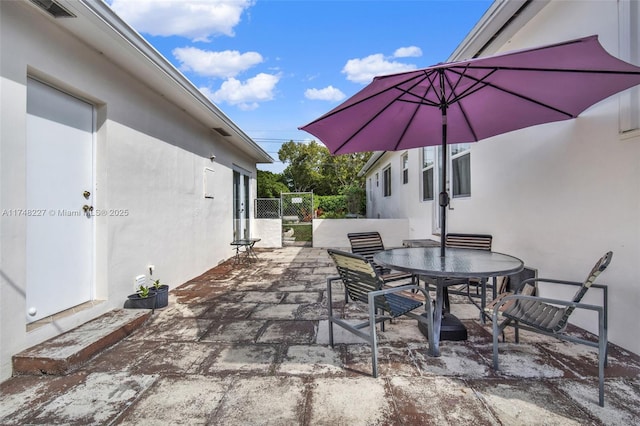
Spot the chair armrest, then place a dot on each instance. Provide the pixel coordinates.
(389, 290)
(545, 280)
(602, 310)
(329, 281)
(548, 300)
(336, 278)
(603, 287)
(554, 281)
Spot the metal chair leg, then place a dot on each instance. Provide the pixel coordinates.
(373, 341)
(602, 356)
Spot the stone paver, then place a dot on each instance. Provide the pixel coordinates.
(248, 344)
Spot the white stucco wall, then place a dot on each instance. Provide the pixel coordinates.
(150, 159)
(557, 195)
(269, 231)
(405, 200)
(332, 233)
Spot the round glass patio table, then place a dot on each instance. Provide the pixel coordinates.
(457, 263)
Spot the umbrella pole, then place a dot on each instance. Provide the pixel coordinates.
(444, 196)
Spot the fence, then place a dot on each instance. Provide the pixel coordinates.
(268, 208)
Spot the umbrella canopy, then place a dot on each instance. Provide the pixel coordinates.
(471, 100)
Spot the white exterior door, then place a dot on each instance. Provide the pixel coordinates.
(240, 205)
(60, 244)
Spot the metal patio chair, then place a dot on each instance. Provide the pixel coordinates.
(462, 286)
(550, 316)
(367, 244)
(363, 283)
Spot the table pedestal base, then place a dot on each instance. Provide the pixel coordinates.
(451, 329)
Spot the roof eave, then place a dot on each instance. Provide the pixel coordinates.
(371, 162)
(126, 47)
(498, 24)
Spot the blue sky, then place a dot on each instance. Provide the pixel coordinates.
(275, 65)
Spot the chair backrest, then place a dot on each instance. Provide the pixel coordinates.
(359, 277)
(597, 269)
(365, 244)
(470, 241)
(600, 266)
(514, 281)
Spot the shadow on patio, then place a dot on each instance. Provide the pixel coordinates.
(248, 344)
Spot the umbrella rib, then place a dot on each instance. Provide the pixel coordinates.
(420, 100)
(346, 107)
(462, 110)
(510, 92)
(406, 128)
(478, 85)
(354, 134)
(562, 70)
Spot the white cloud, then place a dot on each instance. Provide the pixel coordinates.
(408, 52)
(247, 95)
(225, 64)
(363, 70)
(329, 93)
(196, 20)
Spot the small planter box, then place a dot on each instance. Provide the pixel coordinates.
(134, 301)
(162, 296)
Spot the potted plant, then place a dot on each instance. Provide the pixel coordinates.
(162, 294)
(144, 298)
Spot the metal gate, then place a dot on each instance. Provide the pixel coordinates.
(297, 218)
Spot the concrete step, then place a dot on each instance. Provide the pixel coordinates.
(66, 352)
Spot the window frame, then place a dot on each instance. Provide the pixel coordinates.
(456, 158)
(427, 167)
(386, 181)
(404, 168)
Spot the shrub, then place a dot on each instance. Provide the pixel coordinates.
(332, 205)
(355, 199)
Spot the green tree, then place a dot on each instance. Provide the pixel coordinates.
(270, 185)
(341, 171)
(310, 167)
(304, 165)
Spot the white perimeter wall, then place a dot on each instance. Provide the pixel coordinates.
(269, 231)
(558, 195)
(150, 158)
(332, 233)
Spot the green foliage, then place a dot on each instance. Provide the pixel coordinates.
(332, 206)
(310, 167)
(332, 215)
(270, 185)
(341, 171)
(356, 199)
(303, 172)
(143, 291)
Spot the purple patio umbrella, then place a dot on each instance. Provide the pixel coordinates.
(471, 100)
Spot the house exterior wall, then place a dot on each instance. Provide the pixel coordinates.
(405, 199)
(557, 195)
(150, 157)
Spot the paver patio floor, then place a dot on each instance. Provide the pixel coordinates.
(248, 345)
